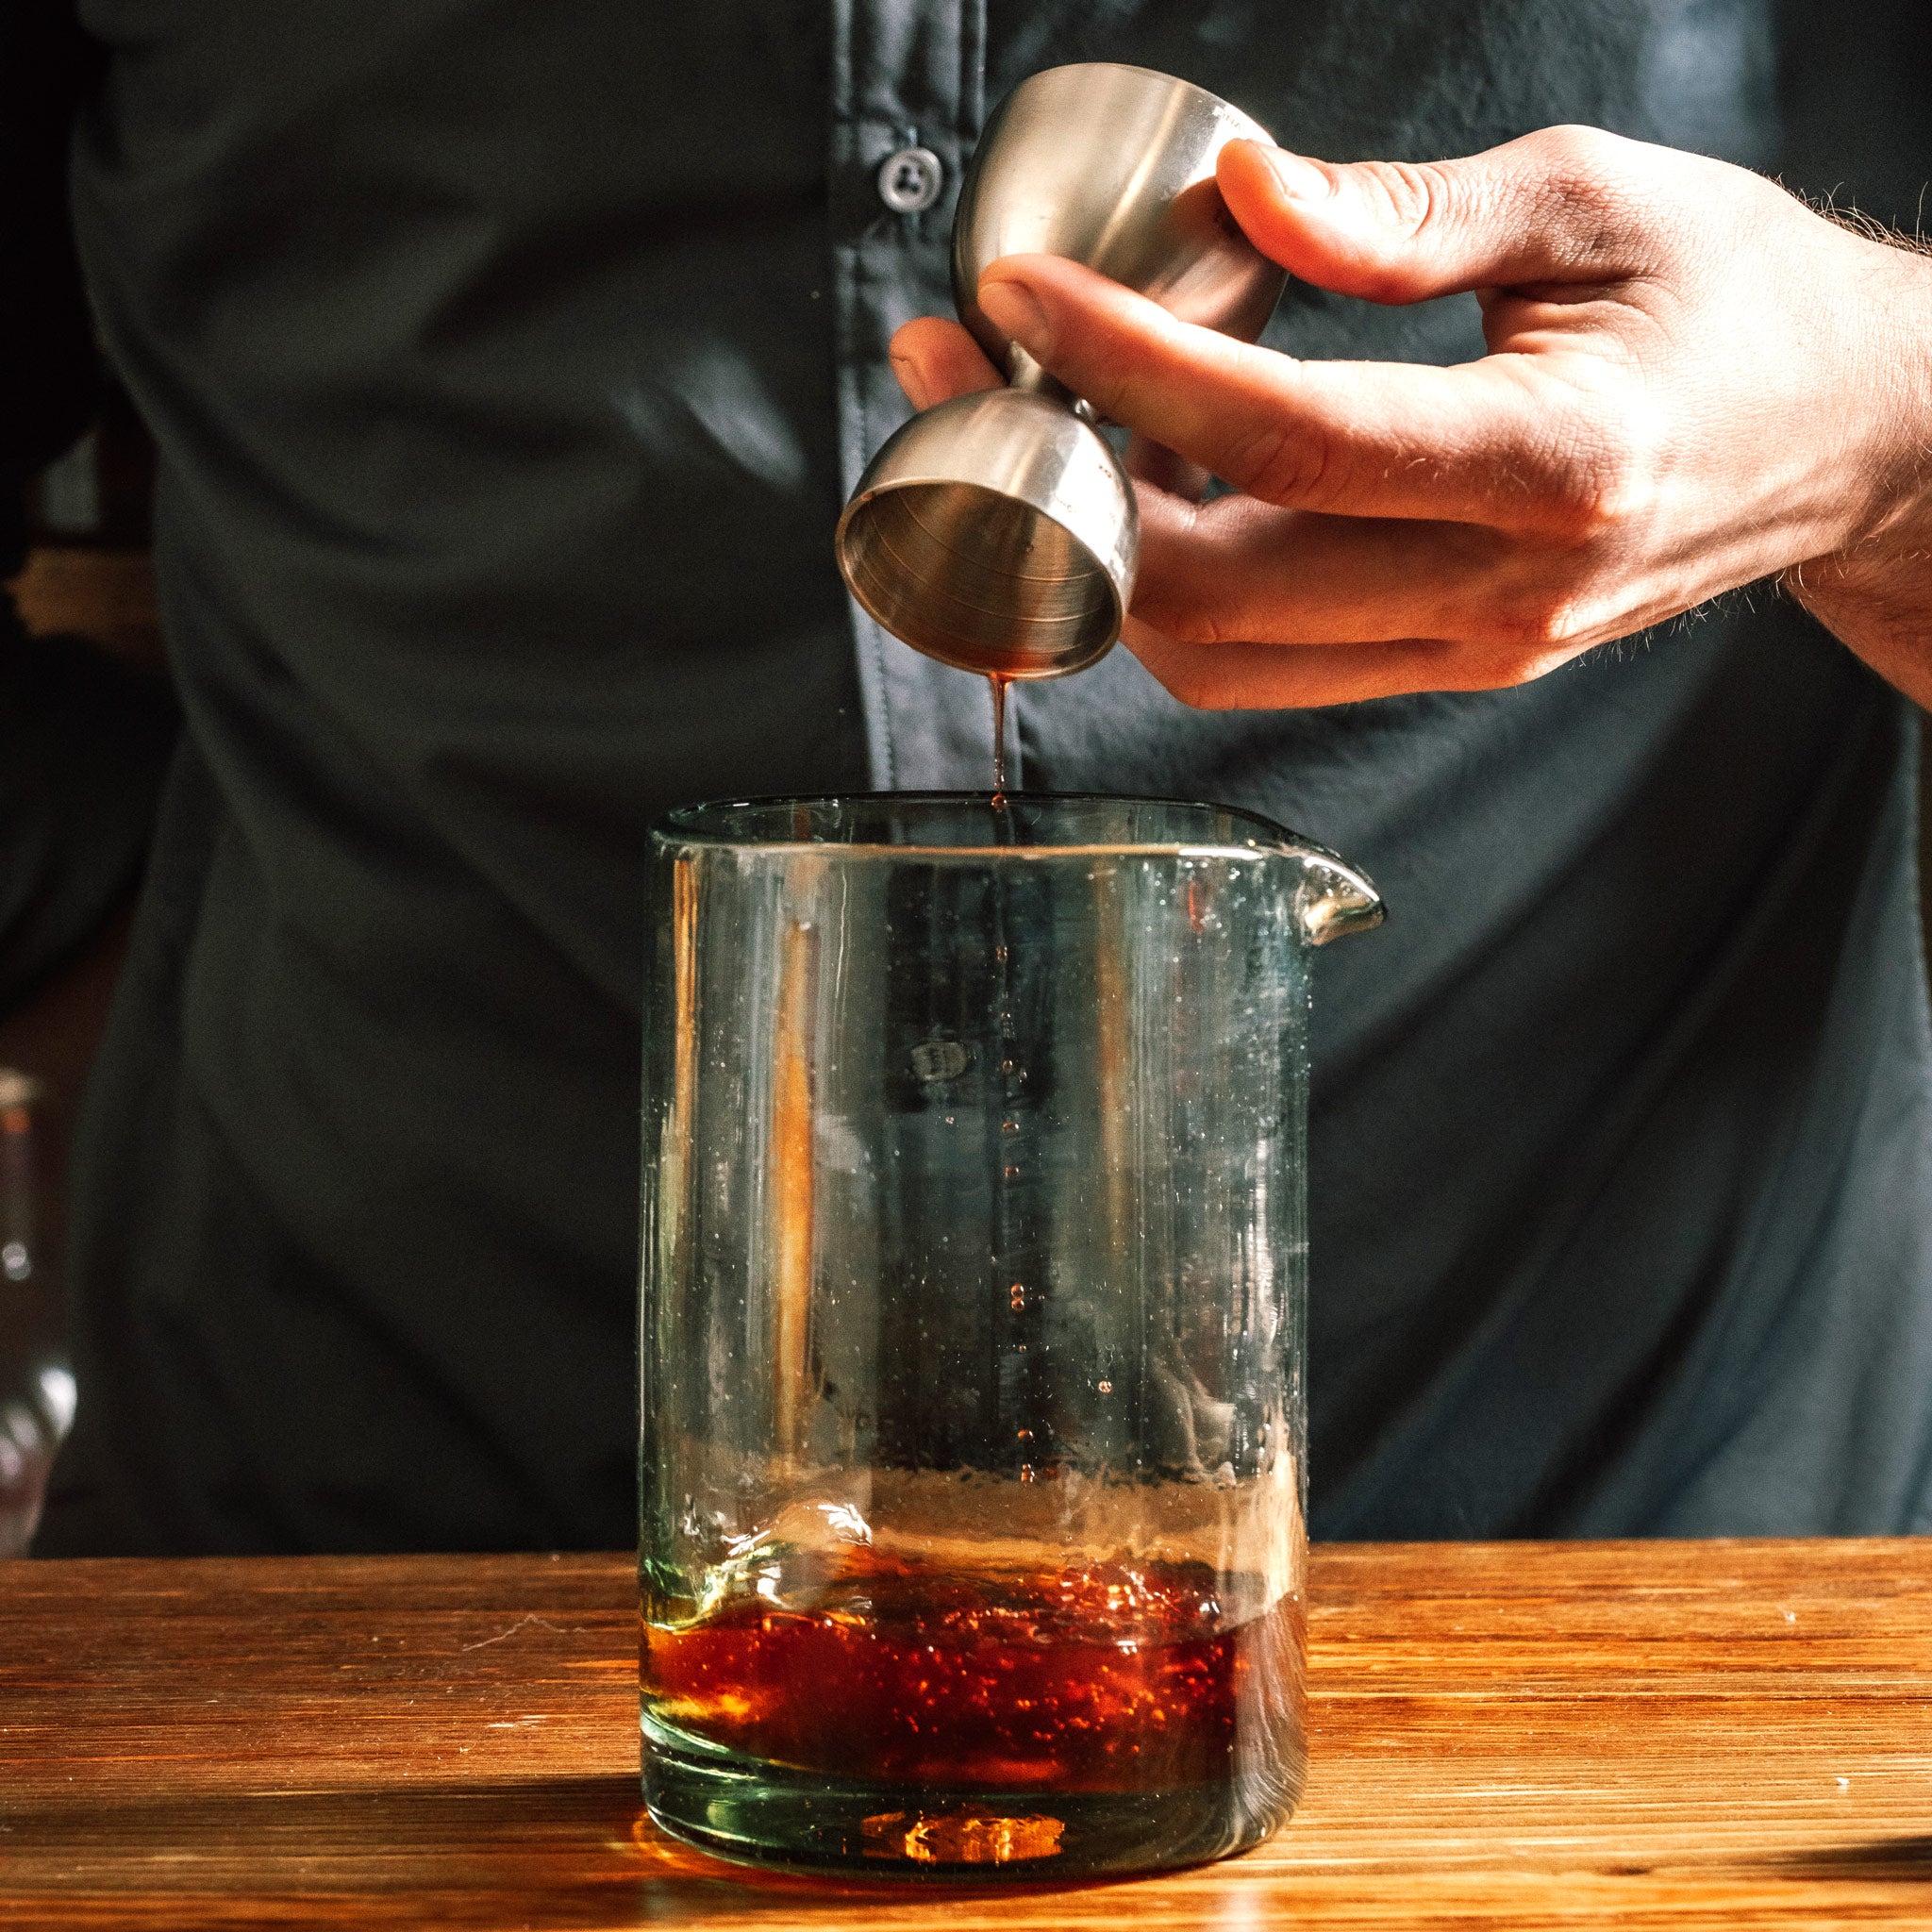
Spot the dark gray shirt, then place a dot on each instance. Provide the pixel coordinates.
(508, 367)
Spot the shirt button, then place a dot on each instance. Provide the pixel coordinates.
(911, 180)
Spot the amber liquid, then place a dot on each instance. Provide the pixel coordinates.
(1110, 1678)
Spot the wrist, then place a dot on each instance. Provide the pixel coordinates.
(1874, 590)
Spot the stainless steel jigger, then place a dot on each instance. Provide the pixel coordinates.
(997, 532)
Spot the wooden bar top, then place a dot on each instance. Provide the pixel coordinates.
(1723, 1734)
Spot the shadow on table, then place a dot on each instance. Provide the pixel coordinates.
(552, 1855)
(1878, 1858)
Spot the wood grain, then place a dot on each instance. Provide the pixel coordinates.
(1719, 1735)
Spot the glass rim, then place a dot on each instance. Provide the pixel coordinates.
(708, 822)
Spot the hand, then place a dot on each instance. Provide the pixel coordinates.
(1693, 381)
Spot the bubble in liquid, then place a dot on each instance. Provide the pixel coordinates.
(15, 1259)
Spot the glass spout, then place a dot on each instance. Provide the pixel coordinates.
(1332, 898)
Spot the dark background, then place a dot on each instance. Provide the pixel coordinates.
(1853, 74)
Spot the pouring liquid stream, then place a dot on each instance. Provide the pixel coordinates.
(1016, 1293)
(999, 737)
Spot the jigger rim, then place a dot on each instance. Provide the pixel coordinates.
(1032, 673)
(1000, 450)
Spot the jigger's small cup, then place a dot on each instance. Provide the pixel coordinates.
(997, 532)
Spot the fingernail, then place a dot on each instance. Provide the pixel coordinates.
(1298, 179)
(907, 372)
(1017, 309)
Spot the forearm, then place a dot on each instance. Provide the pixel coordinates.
(1875, 594)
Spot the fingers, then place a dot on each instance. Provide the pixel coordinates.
(1512, 439)
(1242, 604)
(1564, 204)
(936, 360)
(1236, 571)
(1239, 572)
(1269, 677)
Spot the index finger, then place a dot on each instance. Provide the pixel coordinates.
(1496, 442)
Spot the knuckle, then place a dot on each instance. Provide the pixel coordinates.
(1124, 366)
(1200, 691)
(1197, 673)
(1409, 195)
(1504, 666)
(1408, 202)
(1200, 628)
(1575, 152)
(1184, 678)
(1534, 630)
(1174, 621)
(1587, 192)
(1174, 612)
(1285, 464)
(1525, 667)
(1601, 483)
(1108, 389)
(1596, 499)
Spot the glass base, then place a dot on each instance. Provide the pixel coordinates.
(767, 1814)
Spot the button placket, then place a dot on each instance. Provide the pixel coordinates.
(908, 98)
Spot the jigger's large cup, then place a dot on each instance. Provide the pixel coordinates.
(974, 1274)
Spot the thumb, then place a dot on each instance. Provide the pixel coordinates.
(1565, 204)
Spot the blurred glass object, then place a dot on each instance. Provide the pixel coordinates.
(99, 493)
(37, 1390)
(71, 491)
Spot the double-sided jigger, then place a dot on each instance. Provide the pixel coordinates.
(998, 532)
